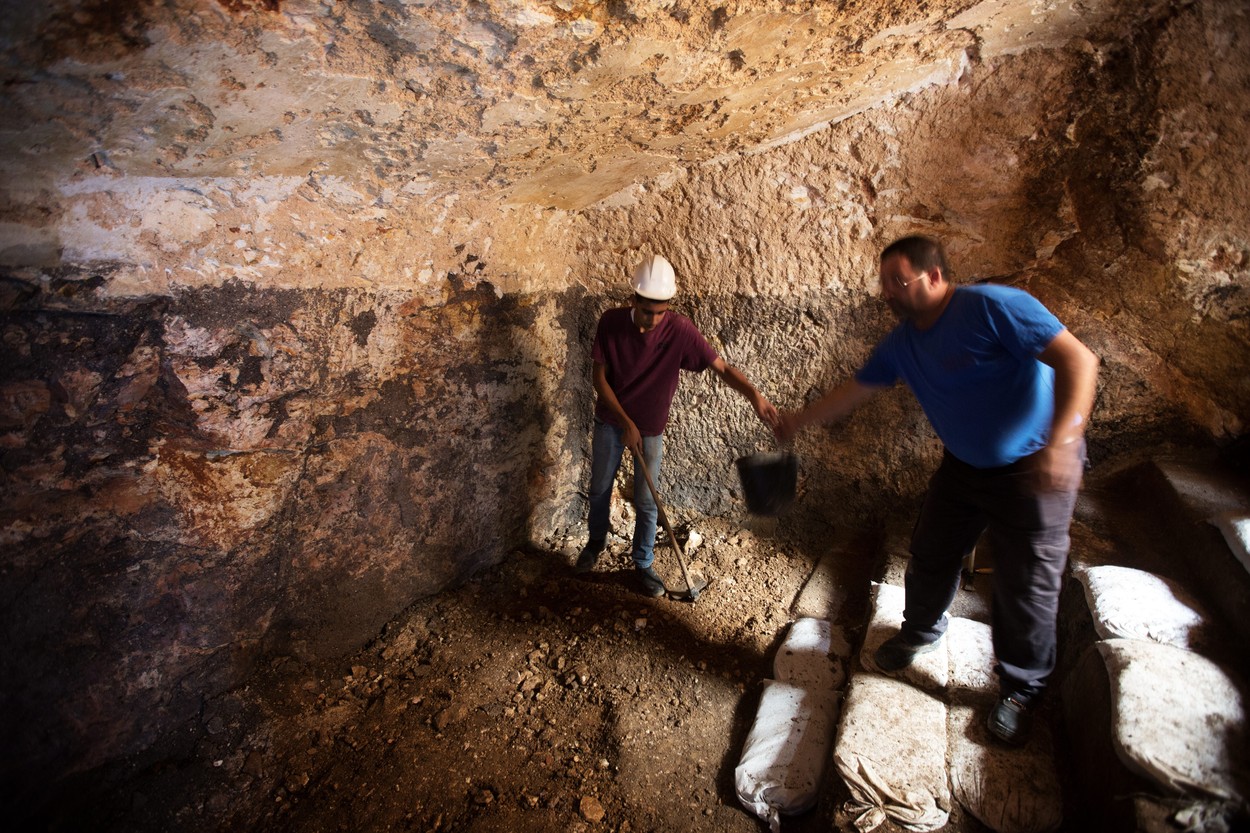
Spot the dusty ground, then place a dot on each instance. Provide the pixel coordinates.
(528, 699)
(534, 699)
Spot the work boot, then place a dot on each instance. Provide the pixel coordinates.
(1010, 720)
(897, 652)
(652, 584)
(589, 557)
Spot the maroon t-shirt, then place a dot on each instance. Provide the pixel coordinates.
(642, 367)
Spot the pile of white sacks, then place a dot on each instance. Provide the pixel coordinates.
(1178, 716)
(783, 759)
(911, 744)
(907, 744)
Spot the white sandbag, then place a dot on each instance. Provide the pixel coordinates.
(970, 645)
(1011, 790)
(1133, 604)
(784, 757)
(1235, 527)
(805, 657)
(930, 671)
(1178, 719)
(891, 752)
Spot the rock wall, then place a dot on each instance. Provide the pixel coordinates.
(194, 480)
(291, 341)
(1064, 171)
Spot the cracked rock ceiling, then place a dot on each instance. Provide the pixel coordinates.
(559, 104)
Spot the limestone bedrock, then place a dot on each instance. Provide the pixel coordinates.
(297, 297)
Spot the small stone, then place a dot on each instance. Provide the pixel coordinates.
(590, 809)
(484, 797)
(451, 714)
(253, 764)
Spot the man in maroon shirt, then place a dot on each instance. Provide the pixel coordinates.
(637, 354)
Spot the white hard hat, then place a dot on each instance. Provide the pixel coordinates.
(654, 279)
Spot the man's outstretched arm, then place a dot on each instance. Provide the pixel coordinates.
(737, 380)
(834, 405)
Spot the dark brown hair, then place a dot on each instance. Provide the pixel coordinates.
(923, 253)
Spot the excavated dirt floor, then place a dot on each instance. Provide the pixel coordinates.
(528, 699)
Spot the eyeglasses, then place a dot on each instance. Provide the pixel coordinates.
(904, 284)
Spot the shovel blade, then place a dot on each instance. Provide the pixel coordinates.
(697, 584)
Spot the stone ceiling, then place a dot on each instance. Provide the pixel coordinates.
(560, 104)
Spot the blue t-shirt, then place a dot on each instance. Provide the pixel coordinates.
(976, 374)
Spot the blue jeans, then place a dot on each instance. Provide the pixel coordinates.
(606, 452)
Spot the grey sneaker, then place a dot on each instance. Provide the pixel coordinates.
(652, 584)
(1009, 721)
(896, 653)
(589, 557)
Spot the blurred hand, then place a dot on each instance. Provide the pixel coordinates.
(1059, 467)
(787, 426)
(767, 413)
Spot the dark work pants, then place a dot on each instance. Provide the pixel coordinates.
(1028, 535)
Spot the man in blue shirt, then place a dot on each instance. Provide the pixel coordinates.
(1008, 390)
